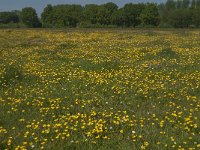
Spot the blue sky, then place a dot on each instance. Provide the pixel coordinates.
(7, 5)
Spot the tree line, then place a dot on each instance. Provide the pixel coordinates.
(173, 13)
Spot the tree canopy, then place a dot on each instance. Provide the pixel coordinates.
(172, 13)
(29, 17)
(7, 17)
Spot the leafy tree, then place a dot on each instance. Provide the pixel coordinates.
(47, 16)
(63, 15)
(105, 12)
(90, 13)
(8, 17)
(150, 15)
(170, 5)
(179, 4)
(103, 16)
(17, 12)
(196, 17)
(111, 7)
(60, 17)
(164, 13)
(176, 13)
(118, 18)
(29, 17)
(75, 15)
(132, 13)
(180, 18)
(197, 3)
(193, 4)
(186, 3)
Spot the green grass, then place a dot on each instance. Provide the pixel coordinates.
(99, 89)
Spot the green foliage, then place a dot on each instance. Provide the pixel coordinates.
(105, 12)
(65, 15)
(118, 17)
(179, 4)
(172, 13)
(29, 17)
(180, 13)
(196, 17)
(170, 4)
(150, 15)
(9, 17)
(180, 18)
(93, 15)
(132, 13)
(90, 13)
(185, 3)
(47, 16)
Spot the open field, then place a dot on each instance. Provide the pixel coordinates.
(99, 89)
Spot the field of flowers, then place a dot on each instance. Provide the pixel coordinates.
(99, 89)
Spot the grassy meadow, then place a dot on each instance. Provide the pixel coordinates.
(99, 89)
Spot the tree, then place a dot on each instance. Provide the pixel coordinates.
(193, 4)
(103, 16)
(118, 17)
(75, 14)
(176, 13)
(150, 15)
(90, 13)
(111, 7)
(60, 17)
(196, 17)
(8, 17)
(163, 12)
(105, 12)
(180, 18)
(170, 5)
(132, 13)
(186, 3)
(179, 4)
(47, 16)
(197, 3)
(29, 17)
